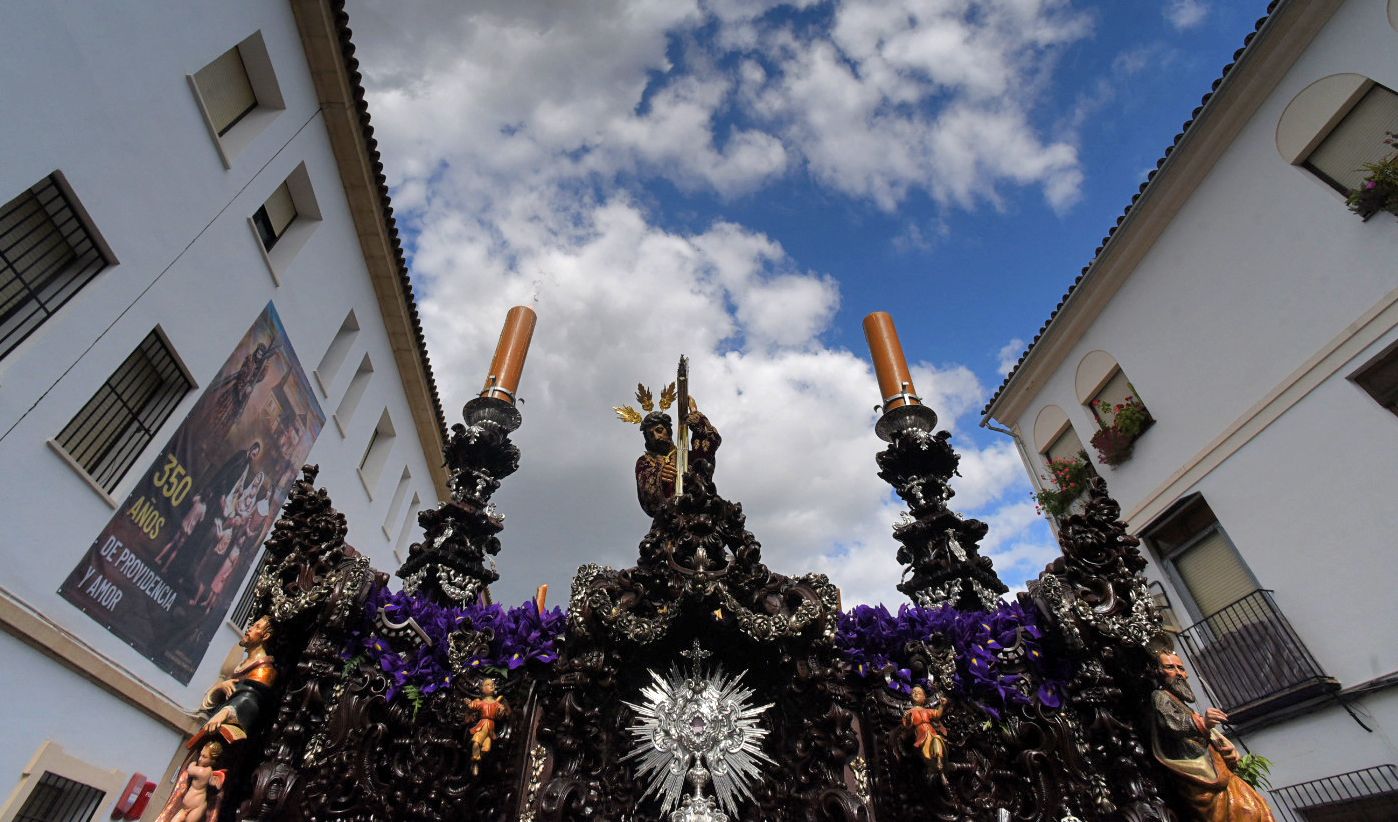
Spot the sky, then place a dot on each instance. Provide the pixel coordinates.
(742, 181)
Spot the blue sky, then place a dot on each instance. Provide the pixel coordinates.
(742, 182)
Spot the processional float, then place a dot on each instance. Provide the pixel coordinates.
(699, 685)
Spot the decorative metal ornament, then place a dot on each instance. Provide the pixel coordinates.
(701, 729)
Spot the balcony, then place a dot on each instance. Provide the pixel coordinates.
(1251, 660)
(1370, 794)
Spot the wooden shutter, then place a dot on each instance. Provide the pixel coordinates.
(1358, 139)
(1067, 445)
(1117, 389)
(226, 90)
(280, 209)
(1214, 573)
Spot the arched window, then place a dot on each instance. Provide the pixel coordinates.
(1336, 125)
(1121, 414)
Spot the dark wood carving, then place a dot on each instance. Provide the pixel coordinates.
(336, 746)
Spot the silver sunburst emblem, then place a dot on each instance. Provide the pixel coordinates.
(700, 729)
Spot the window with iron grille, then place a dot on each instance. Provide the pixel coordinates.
(107, 436)
(59, 799)
(241, 614)
(47, 255)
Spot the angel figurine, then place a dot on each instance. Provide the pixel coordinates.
(490, 708)
(926, 721)
(195, 798)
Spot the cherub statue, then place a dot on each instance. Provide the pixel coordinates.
(491, 709)
(1197, 754)
(926, 721)
(237, 700)
(195, 797)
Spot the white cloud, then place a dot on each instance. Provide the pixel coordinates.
(1009, 356)
(1185, 14)
(884, 100)
(515, 133)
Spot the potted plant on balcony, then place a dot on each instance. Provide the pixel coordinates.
(1066, 481)
(1379, 191)
(1119, 426)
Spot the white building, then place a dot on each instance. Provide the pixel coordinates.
(1256, 318)
(169, 170)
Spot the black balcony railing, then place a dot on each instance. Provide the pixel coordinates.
(1370, 794)
(1251, 660)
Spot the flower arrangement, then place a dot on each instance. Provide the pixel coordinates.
(998, 654)
(512, 638)
(1067, 479)
(1379, 191)
(1119, 426)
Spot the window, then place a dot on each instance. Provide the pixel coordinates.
(238, 95)
(227, 91)
(406, 532)
(285, 221)
(1110, 395)
(59, 799)
(1379, 378)
(241, 615)
(1243, 647)
(47, 255)
(336, 353)
(376, 454)
(350, 401)
(57, 787)
(1357, 139)
(1066, 445)
(1201, 559)
(272, 217)
(107, 436)
(399, 494)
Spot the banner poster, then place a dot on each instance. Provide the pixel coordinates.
(163, 573)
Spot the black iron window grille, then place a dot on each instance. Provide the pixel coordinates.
(47, 255)
(107, 436)
(241, 615)
(1369, 795)
(59, 799)
(1252, 660)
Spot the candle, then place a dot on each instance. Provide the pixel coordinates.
(889, 362)
(503, 379)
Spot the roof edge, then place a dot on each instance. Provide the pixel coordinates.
(1213, 120)
(325, 37)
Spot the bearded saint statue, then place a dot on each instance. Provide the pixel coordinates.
(656, 469)
(1196, 752)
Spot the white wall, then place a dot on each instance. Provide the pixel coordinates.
(99, 91)
(1261, 270)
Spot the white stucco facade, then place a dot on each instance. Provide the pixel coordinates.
(101, 94)
(1238, 298)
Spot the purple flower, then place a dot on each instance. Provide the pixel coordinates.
(514, 638)
(877, 643)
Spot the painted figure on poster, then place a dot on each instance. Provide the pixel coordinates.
(1196, 752)
(491, 709)
(237, 701)
(197, 788)
(926, 721)
(236, 388)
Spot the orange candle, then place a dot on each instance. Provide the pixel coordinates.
(505, 369)
(889, 363)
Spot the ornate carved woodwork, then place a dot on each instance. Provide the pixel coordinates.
(350, 740)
